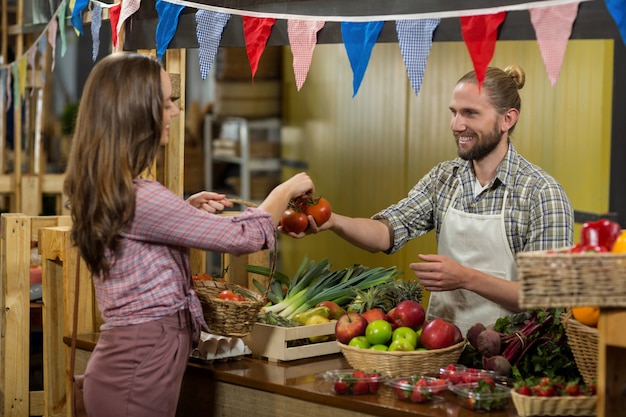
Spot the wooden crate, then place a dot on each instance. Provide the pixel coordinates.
(270, 342)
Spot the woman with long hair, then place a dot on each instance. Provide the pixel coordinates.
(134, 235)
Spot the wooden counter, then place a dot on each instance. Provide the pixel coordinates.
(255, 387)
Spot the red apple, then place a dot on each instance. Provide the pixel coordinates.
(458, 335)
(336, 310)
(408, 313)
(348, 326)
(374, 314)
(437, 334)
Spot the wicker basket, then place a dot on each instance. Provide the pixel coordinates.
(560, 279)
(583, 341)
(554, 406)
(229, 317)
(392, 364)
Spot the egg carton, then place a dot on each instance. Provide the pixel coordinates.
(216, 348)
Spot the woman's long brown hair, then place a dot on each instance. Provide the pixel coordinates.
(117, 135)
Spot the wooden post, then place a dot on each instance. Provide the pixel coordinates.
(18, 233)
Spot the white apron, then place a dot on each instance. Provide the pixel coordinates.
(478, 241)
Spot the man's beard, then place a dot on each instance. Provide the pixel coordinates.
(482, 147)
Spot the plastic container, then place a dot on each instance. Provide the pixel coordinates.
(470, 396)
(460, 374)
(417, 389)
(352, 381)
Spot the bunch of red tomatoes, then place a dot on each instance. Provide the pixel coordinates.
(295, 218)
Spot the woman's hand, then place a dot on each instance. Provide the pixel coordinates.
(209, 201)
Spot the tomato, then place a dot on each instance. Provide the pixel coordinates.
(320, 209)
(294, 221)
(229, 295)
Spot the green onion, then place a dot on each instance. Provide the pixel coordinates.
(314, 283)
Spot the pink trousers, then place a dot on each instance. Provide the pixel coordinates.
(137, 371)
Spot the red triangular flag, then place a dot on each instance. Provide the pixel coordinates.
(256, 31)
(114, 17)
(480, 34)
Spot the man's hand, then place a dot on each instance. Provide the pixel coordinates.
(439, 273)
(209, 201)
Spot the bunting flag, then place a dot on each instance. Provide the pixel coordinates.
(209, 28)
(553, 27)
(32, 54)
(77, 17)
(480, 34)
(129, 7)
(415, 38)
(114, 17)
(359, 39)
(61, 13)
(52, 37)
(4, 97)
(302, 38)
(20, 76)
(96, 24)
(256, 32)
(617, 9)
(168, 22)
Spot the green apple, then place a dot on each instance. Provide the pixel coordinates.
(405, 333)
(360, 342)
(419, 338)
(383, 348)
(378, 332)
(400, 344)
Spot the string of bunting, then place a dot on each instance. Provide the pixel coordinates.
(552, 21)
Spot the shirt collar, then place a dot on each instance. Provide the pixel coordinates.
(508, 167)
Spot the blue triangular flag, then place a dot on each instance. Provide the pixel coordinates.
(359, 38)
(168, 23)
(77, 18)
(209, 28)
(416, 38)
(617, 9)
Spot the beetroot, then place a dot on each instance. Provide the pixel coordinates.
(497, 363)
(488, 343)
(473, 332)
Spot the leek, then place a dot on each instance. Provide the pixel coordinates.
(314, 283)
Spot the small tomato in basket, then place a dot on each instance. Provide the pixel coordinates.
(229, 295)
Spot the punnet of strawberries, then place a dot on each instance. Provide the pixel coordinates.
(554, 387)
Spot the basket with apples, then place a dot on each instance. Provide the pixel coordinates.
(398, 342)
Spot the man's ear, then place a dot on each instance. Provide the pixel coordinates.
(509, 119)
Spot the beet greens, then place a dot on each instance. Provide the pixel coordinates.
(530, 343)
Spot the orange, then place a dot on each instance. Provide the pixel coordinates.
(620, 243)
(588, 315)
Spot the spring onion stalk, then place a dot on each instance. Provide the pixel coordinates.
(345, 288)
(314, 283)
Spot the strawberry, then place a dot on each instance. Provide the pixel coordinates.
(420, 395)
(524, 389)
(545, 391)
(438, 385)
(403, 392)
(341, 387)
(373, 382)
(572, 388)
(360, 387)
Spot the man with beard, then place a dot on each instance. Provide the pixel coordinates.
(485, 206)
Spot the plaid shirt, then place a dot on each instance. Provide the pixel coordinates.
(150, 276)
(538, 214)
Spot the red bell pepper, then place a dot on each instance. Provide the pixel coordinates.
(601, 233)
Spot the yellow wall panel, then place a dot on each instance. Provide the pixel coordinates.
(364, 153)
